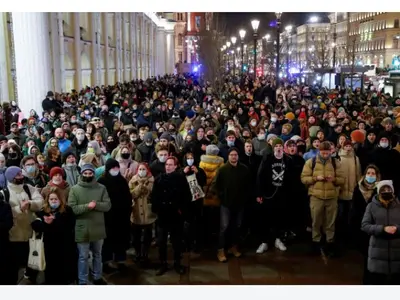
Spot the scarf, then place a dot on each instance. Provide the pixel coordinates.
(366, 189)
(62, 185)
(72, 174)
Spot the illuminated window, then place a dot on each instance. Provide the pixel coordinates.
(198, 22)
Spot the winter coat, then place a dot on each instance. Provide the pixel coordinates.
(89, 225)
(125, 164)
(63, 189)
(384, 248)
(351, 169)
(59, 242)
(210, 164)
(22, 230)
(140, 189)
(322, 189)
(116, 219)
(259, 146)
(72, 174)
(78, 149)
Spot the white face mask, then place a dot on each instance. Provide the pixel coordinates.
(80, 136)
(162, 158)
(142, 173)
(190, 162)
(56, 181)
(254, 124)
(261, 137)
(274, 119)
(114, 172)
(384, 144)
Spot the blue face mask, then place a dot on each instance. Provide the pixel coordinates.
(55, 205)
(231, 143)
(370, 179)
(30, 169)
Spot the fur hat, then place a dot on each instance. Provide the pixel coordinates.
(357, 136)
(383, 183)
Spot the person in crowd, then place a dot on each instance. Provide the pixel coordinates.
(89, 201)
(70, 168)
(53, 158)
(170, 198)
(128, 166)
(57, 180)
(231, 141)
(124, 140)
(157, 167)
(380, 222)
(147, 147)
(56, 221)
(142, 217)
(32, 174)
(14, 156)
(363, 194)
(259, 142)
(117, 219)
(322, 176)
(15, 135)
(79, 143)
(25, 201)
(351, 168)
(3, 168)
(231, 184)
(196, 232)
(273, 192)
(313, 151)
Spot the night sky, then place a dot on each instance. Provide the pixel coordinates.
(236, 21)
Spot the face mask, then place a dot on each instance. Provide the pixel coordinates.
(315, 106)
(162, 158)
(18, 181)
(370, 179)
(80, 137)
(54, 205)
(90, 150)
(114, 172)
(87, 178)
(231, 143)
(384, 144)
(190, 162)
(387, 196)
(332, 124)
(261, 137)
(71, 164)
(13, 155)
(254, 124)
(125, 155)
(149, 144)
(30, 169)
(56, 181)
(142, 173)
(133, 139)
(274, 119)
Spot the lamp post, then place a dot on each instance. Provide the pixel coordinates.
(288, 30)
(233, 40)
(228, 44)
(224, 57)
(242, 34)
(278, 29)
(254, 25)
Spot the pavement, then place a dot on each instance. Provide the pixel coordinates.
(293, 267)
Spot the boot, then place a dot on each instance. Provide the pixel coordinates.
(179, 268)
(234, 251)
(163, 269)
(221, 255)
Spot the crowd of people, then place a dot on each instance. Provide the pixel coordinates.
(170, 159)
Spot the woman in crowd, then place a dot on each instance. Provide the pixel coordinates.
(56, 222)
(128, 166)
(117, 218)
(142, 217)
(57, 180)
(381, 222)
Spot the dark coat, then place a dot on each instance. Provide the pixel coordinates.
(117, 219)
(59, 246)
(6, 223)
(384, 248)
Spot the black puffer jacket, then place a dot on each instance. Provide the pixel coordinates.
(384, 248)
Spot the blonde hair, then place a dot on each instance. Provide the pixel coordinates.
(46, 206)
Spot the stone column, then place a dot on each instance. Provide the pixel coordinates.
(32, 59)
(161, 40)
(93, 52)
(132, 35)
(4, 78)
(77, 53)
(125, 50)
(106, 51)
(62, 50)
(117, 30)
(170, 53)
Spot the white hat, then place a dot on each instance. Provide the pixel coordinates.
(295, 138)
(383, 183)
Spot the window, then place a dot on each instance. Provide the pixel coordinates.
(180, 56)
(198, 22)
(180, 39)
(396, 23)
(180, 16)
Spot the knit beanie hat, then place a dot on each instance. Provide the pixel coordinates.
(358, 136)
(56, 170)
(190, 114)
(148, 136)
(66, 155)
(212, 150)
(11, 172)
(381, 184)
(277, 141)
(271, 136)
(87, 167)
(290, 116)
(165, 136)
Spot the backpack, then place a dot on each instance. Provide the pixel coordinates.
(314, 162)
(5, 193)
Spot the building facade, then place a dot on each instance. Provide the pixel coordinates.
(82, 49)
(180, 32)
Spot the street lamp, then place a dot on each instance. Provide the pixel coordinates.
(278, 29)
(288, 30)
(254, 25)
(313, 19)
(242, 34)
(233, 40)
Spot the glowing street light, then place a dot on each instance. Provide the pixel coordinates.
(255, 24)
(242, 33)
(267, 36)
(228, 44)
(314, 19)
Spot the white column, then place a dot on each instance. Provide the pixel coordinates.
(32, 59)
(98, 48)
(106, 49)
(93, 37)
(55, 51)
(116, 35)
(170, 57)
(152, 49)
(77, 53)
(143, 47)
(132, 44)
(124, 56)
(4, 79)
(62, 50)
